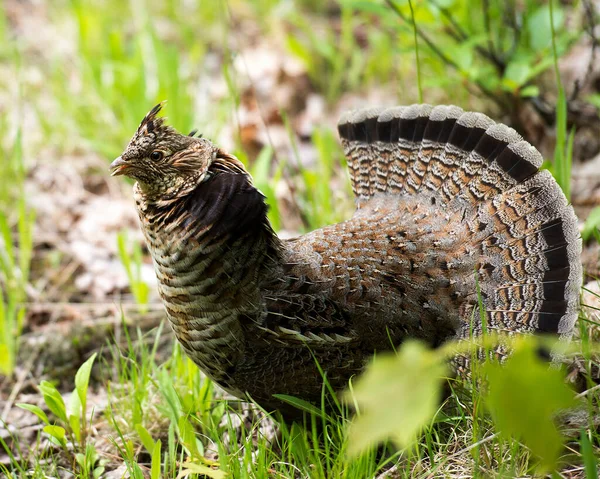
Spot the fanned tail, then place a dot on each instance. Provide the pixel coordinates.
(521, 226)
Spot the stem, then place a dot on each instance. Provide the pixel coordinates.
(557, 73)
(412, 15)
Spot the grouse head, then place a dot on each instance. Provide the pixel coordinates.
(166, 163)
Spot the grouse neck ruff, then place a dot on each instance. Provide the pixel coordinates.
(444, 197)
(210, 246)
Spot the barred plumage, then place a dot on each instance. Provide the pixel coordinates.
(443, 197)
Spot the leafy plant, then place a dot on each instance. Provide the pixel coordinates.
(71, 426)
(498, 48)
(131, 397)
(176, 392)
(132, 387)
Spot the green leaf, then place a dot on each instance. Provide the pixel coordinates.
(594, 99)
(156, 463)
(6, 362)
(82, 379)
(461, 54)
(54, 400)
(523, 396)
(262, 166)
(539, 27)
(123, 253)
(146, 438)
(75, 424)
(99, 471)
(187, 434)
(367, 6)
(300, 404)
(75, 415)
(192, 468)
(57, 434)
(530, 91)
(299, 50)
(80, 458)
(587, 452)
(35, 410)
(517, 73)
(398, 396)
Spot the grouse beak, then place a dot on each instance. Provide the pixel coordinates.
(118, 167)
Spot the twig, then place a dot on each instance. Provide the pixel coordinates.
(476, 444)
(587, 391)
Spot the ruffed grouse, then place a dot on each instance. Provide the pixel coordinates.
(444, 198)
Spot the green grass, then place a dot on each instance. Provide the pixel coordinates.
(163, 418)
(16, 244)
(132, 261)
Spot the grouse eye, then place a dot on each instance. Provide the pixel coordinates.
(156, 155)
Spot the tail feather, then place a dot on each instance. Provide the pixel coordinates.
(522, 230)
(461, 188)
(436, 132)
(368, 161)
(466, 133)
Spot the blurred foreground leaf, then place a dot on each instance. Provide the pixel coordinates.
(523, 397)
(397, 395)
